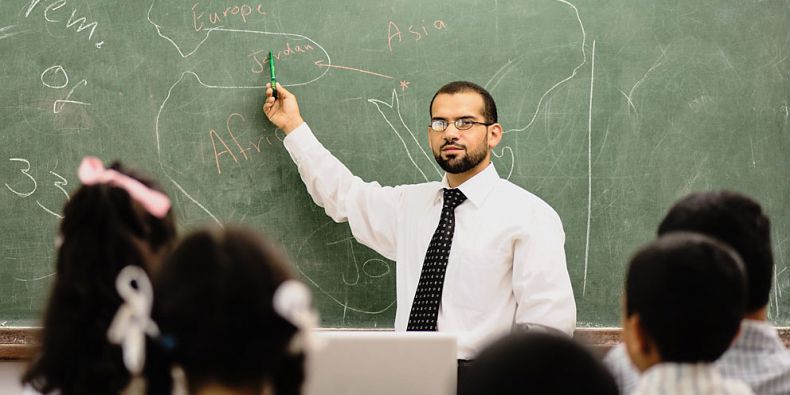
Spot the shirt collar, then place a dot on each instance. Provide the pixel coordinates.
(687, 374)
(477, 188)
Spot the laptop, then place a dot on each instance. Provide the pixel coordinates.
(382, 363)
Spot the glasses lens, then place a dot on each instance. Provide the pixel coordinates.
(438, 125)
(464, 124)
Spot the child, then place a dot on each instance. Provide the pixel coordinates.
(758, 357)
(115, 219)
(231, 316)
(538, 363)
(685, 295)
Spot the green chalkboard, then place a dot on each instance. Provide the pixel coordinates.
(613, 109)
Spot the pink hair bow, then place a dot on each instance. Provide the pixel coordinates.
(92, 172)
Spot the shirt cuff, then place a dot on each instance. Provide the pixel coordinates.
(300, 142)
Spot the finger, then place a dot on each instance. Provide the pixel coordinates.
(283, 92)
(268, 105)
(267, 90)
(269, 112)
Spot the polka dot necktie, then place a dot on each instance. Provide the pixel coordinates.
(425, 308)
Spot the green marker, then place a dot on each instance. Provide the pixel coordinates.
(271, 74)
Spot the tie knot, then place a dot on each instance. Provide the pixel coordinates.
(453, 197)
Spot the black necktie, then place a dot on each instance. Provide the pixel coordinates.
(425, 308)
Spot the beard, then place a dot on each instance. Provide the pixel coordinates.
(453, 165)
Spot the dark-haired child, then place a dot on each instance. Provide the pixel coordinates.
(116, 219)
(231, 316)
(685, 295)
(538, 362)
(758, 357)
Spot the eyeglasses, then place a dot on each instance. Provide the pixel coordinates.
(440, 125)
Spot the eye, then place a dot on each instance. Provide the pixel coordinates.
(438, 125)
(464, 123)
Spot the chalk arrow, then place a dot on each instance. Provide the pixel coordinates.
(320, 63)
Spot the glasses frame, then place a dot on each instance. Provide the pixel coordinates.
(457, 124)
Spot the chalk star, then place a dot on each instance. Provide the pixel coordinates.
(404, 84)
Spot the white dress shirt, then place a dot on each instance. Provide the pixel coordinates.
(757, 357)
(688, 379)
(507, 261)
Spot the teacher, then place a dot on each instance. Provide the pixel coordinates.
(476, 255)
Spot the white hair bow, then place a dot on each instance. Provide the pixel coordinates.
(292, 302)
(133, 321)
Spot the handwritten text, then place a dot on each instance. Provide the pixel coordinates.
(55, 77)
(52, 15)
(416, 33)
(221, 147)
(32, 187)
(202, 17)
(260, 57)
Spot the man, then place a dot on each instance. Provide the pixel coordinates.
(685, 294)
(496, 258)
(758, 356)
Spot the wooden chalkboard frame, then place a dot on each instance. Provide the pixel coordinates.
(20, 343)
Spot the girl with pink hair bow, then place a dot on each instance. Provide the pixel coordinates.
(114, 220)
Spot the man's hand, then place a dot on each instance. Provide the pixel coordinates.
(284, 111)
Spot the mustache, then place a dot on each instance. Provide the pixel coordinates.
(451, 144)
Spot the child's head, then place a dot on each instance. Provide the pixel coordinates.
(684, 300)
(219, 306)
(107, 225)
(116, 218)
(538, 363)
(738, 221)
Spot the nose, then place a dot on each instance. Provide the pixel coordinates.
(452, 132)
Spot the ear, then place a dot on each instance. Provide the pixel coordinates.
(639, 343)
(494, 135)
(642, 339)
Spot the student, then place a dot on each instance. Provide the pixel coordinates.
(496, 258)
(537, 362)
(231, 316)
(758, 356)
(117, 218)
(685, 295)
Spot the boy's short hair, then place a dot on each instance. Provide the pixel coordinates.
(737, 220)
(690, 294)
(538, 363)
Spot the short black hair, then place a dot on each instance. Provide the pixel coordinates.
(214, 306)
(538, 363)
(489, 106)
(737, 220)
(689, 291)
